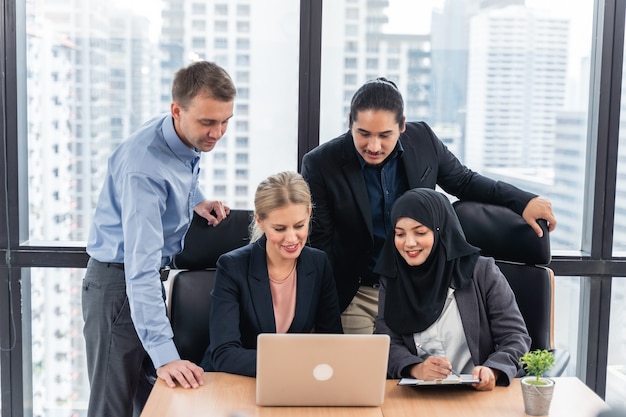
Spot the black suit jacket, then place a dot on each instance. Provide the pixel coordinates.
(342, 224)
(242, 306)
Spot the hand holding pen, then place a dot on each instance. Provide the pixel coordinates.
(433, 365)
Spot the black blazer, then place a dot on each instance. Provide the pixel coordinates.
(342, 224)
(242, 306)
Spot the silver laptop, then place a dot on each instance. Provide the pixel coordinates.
(321, 369)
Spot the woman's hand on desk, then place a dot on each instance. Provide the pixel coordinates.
(187, 374)
(487, 376)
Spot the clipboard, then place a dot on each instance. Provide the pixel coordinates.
(450, 380)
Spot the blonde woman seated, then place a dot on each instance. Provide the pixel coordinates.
(437, 295)
(275, 284)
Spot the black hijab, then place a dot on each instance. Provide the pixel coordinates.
(416, 294)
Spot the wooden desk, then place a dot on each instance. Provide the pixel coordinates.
(225, 395)
(571, 398)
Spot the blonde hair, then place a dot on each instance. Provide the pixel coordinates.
(276, 191)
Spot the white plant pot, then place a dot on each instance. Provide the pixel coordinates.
(537, 398)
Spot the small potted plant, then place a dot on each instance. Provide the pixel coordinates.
(537, 389)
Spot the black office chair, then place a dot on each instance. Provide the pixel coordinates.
(189, 301)
(521, 256)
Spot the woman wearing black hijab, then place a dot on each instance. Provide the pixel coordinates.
(444, 306)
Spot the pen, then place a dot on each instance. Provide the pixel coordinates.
(419, 346)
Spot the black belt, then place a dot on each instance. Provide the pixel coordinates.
(163, 272)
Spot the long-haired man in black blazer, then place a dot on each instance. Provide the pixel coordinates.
(356, 177)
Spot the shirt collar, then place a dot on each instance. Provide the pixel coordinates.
(182, 151)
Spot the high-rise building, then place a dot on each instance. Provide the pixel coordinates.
(360, 50)
(516, 84)
(569, 169)
(616, 372)
(50, 86)
(620, 195)
(262, 59)
(171, 44)
(88, 87)
(132, 72)
(449, 33)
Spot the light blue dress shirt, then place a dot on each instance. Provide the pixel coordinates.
(143, 212)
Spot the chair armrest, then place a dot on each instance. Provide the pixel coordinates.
(561, 359)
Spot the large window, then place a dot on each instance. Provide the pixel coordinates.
(616, 372)
(532, 107)
(505, 85)
(96, 70)
(619, 229)
(616, 362)
(57, 347)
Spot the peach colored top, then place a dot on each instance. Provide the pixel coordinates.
(284, 300)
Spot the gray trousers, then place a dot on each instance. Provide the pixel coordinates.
(120, 372)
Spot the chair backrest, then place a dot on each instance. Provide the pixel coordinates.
(189, 308)
(189, 301)
(204, 244)
(521, 255)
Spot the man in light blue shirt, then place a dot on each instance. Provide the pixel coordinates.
(144, 210)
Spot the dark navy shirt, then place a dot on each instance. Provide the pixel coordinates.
(385, 183)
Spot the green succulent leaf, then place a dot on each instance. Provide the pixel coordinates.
(537, 362)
